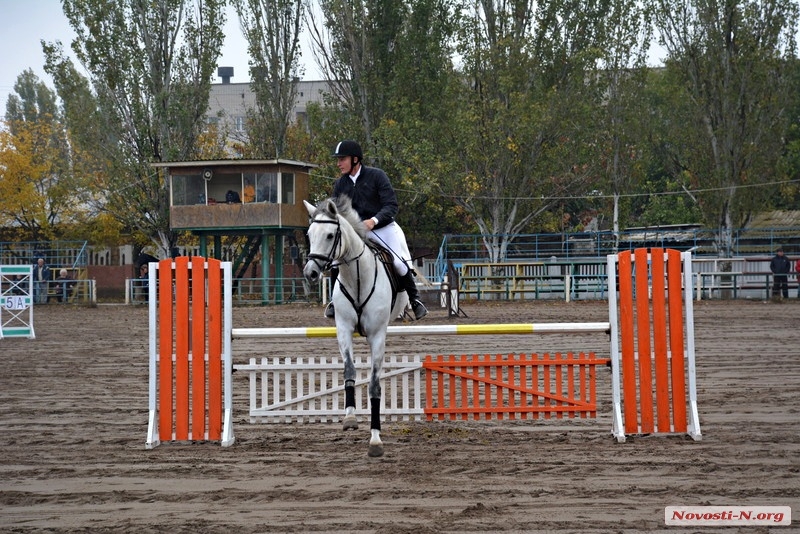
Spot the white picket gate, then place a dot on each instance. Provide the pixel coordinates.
(307, 390)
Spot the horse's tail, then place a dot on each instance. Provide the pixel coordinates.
(421, 278)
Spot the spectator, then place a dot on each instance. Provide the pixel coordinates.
(780, 267)
(64, 284)
(41, 279)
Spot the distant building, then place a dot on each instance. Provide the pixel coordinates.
(229, 102)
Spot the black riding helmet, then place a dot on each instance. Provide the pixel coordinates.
(348, 148)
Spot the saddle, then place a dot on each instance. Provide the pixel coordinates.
(386, 258)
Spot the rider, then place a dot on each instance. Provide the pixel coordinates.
(374, 199)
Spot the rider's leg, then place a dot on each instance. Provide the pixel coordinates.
(393, 238)
(330, 313)
(410, 285)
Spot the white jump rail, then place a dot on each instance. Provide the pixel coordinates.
(422, 330)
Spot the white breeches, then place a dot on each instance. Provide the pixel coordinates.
(392, 237)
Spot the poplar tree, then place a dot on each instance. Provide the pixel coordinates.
(150, 64)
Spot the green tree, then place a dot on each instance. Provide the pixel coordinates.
(150, 65)
(272, 29)
(621, 76)
(516, 145)
(730, 60)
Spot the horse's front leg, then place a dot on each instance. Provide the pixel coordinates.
(345, 339)
(377, 348)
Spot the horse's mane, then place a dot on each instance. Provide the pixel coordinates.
(346, 211)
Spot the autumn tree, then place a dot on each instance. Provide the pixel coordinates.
(42, 191)
(150, 66)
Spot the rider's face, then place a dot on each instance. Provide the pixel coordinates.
(345, 164)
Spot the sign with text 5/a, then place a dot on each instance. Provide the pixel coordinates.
(15, 302)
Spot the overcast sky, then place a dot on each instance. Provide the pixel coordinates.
(23, 23)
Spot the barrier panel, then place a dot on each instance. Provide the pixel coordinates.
(652, 343)
(312, 389)
(651, 327)
(493, 387)
(190, 389)
(16, 301)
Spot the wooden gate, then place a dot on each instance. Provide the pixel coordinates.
(312, 389)
(489, 387)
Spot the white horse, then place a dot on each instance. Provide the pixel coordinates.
(363, 298)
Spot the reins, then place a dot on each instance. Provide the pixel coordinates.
(329, 259)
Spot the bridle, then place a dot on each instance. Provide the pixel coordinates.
(325, 262)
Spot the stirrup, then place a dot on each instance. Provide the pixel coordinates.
(330, 313)
(419, 309)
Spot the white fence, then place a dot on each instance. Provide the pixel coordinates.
(287, 389)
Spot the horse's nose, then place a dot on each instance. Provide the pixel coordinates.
(311, 272)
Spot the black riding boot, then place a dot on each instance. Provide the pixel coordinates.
(330, 313)
(410, 285)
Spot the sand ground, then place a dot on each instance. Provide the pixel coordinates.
(73, 414)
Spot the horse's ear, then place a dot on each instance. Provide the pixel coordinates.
(311, 209)
(331, 207)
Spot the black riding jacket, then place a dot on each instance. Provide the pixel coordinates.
(372, 195)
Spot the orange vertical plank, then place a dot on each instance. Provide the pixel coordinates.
(215, 313)
(165, 338)
(643, 339)
(182, 348)
(465, 405)
(198, 302)
(661, 366)
(676, 340)
(546, 380)
(452, 405)
(583, 386)
(627, 348)
(535, 385)
(476, 387)
(499, 394)
(559, 385)
(571, 382)
(524, 397)
(592, 384)
(440, 376)
(512, 392)
(428, 387)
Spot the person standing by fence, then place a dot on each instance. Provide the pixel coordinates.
(780, 267)
(41, 279)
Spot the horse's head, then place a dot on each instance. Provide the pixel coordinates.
(333, 229)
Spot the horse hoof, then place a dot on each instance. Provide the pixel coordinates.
(350, 423)
(375, 451)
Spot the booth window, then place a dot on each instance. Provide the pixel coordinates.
(267, 187)
(287, 188)
(188, 189)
